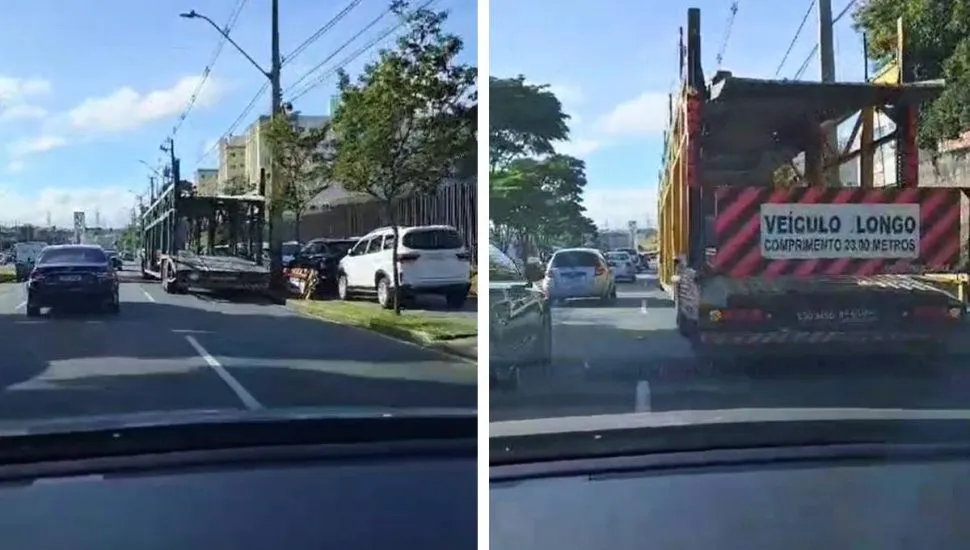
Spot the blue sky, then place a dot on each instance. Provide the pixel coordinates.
(90, 89)
(613, 62)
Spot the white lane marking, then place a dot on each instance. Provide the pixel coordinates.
(643, 307)
(22, 305)
(148, 296)
(247, 398)
(641, 401)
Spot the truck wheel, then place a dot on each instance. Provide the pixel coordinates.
(32, 310)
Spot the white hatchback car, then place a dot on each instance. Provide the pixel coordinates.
(432, 259)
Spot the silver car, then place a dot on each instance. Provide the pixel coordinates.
(623, 266)
(579, 273)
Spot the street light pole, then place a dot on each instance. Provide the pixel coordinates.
(275, 220)
(276, 183)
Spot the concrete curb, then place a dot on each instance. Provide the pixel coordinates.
(417, 338)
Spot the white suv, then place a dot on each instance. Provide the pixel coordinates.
(432, 259)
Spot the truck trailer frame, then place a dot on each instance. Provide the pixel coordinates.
(175, 252)
(759, 265)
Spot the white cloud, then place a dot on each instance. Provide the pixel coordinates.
(22, 111)
(15, 167)
(17, 89)
(126, 109)
(112, 203)
(568, 95)
(578, 148)
(15, 94)
(41, 144)
(613, 208)
(122, 110)
(644, 115)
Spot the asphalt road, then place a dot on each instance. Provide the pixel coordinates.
(628, 357)
(166, 352)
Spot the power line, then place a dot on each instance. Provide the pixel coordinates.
(320, 32)
(350, 58)
(811, 54)
(342, 47)
(801, 26)
(230, 23)
(727, 34)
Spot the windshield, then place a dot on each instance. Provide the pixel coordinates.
(737, 275)
(160, 167)
(72, 255)
(432, 239)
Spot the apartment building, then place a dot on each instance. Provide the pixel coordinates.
(257, 149)
(232, 159)
(207, 181)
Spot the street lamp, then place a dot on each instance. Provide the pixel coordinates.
(196, 15)
(276, 107)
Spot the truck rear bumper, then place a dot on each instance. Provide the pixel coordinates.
(828, 342)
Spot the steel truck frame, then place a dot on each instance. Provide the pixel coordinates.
(175, 252)
(740, 287)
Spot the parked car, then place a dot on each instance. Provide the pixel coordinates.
(432, 259)
(520, 320)
(324, 256)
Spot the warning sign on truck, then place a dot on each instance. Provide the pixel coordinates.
(832, 231)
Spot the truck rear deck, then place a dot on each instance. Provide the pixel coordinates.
(765, 256)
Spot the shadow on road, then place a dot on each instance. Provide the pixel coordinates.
(81, 364)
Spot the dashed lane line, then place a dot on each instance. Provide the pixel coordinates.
(641, 400)
(247, 398)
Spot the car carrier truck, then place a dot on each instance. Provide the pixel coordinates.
(180, 231)
(760, 264)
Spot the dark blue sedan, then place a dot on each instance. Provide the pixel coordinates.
(72, 275)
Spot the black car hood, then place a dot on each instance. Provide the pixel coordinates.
(211, 416)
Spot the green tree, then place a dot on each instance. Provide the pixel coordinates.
(539, 202)
(523, 120)
(939, 47)
(403, 127)
(304, 162)
(536, 195)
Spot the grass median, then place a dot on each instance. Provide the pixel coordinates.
(8, 274)
(415, 326)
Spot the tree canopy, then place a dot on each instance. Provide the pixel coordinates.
(938, 32)
(303, 160)
(407, 123)
(535, 194)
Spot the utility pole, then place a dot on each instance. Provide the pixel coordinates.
(276, 181)
(826, 56)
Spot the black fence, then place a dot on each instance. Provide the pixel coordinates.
(452, 204)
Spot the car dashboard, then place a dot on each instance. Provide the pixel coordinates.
(752, 500)
(304, 497)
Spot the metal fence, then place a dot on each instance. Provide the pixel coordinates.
(452, 204)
